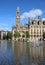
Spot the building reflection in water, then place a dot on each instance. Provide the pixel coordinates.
(28, 53)
(35, 53)
(6, 55)
(44, 50)
(3, 45)
(19, 49)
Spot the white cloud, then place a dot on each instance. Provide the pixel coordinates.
(43, 18)
(3, 24)
(32, 13)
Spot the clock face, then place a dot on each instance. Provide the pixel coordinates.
(17, 17)
(34, 22)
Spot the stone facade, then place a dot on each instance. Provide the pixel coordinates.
(18, 27)
(36, 27)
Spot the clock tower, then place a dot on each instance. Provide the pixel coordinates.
(18, 16)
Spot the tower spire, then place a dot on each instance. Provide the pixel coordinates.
(28, 20)
(18, 8)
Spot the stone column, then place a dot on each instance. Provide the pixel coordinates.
(6, 33)
(13, 35)
(1, 35)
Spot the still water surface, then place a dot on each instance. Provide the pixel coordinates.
(22, 53)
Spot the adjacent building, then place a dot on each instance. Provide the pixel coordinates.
(3, 34)
(37, 28)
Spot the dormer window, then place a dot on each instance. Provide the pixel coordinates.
(34, 22)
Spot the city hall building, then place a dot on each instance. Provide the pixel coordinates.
(35, 27)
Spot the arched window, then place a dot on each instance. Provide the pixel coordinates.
(43, 22)
(38, 22)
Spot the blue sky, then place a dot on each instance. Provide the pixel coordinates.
(31, 8)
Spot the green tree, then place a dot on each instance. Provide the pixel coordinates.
(9, 35)
(16, 34)
(27, 34)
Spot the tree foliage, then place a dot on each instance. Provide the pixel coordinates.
(27, 34)
(16, 34)
(9, 35)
